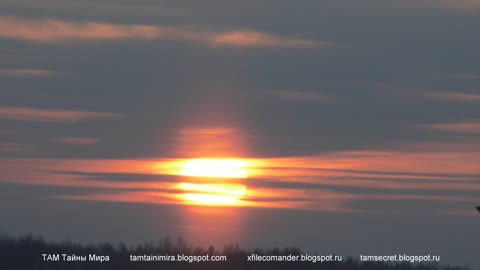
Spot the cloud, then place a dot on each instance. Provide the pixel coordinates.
(27, 73)
(97, 8)
(209, 142)
(295, 96)
(125, 197)
(54, 31)
(456, 127)
(49, 30)
(21, 95)
(456, 96)
(453, 5)
(458, 4)
(48, 115)
(418, 91)
(77, 140)
(258, 39)
(14, 147)
(457, 76)
(324, 182)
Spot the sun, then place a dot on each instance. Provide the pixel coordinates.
(207, 167)
(213, 194)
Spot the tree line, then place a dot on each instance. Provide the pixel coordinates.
(25, 252)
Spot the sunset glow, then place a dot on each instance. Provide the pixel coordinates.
(225, 168)
(213, 194)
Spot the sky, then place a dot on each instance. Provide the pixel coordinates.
(355, 125)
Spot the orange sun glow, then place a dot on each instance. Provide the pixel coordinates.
(206, 167)
(213, 194)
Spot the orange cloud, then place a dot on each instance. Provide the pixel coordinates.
(27, 73)
(456, 96)
(210, 142)
(325, 200)
(79, 165)
(125, 197)
(422, 165)
(77, 140)
(326, 182)
(47, 115)
(436, 162)
(456, 127)
(258, 39)
(54, 31)
(50, 30)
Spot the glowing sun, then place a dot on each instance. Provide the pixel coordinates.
(223, 168)
(213, 193)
